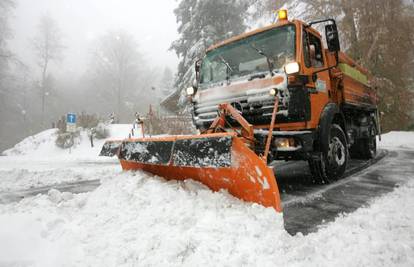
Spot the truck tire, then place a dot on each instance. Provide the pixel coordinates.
(330, 165)
(364, 148)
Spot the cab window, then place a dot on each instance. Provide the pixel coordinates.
(313, 50)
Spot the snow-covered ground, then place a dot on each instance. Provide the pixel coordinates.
(397, 141)
(37, 161)
(43, 144)
(136, 220)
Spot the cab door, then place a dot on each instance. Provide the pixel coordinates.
(319, 84)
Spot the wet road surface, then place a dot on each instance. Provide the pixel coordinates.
(75, 187)
(307, 207)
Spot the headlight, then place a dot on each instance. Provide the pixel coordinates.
(292, 68)
(273, 92)
(284, 142)
(190, 91)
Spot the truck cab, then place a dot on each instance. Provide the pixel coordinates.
(326, 108)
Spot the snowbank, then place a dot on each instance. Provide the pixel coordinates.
(43, 144)
(131, 220)
(37, 161)
(398, 140)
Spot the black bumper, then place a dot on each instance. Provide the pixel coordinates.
(303, 139)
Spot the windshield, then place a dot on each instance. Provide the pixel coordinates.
(263, 52)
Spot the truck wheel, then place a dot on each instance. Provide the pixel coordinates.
(330, 165)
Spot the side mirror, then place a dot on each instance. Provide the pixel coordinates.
(332, 38)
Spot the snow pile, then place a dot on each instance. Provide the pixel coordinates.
(43, 144)
(37, 161)
(398, 140)
(132, 220)
(33, 143)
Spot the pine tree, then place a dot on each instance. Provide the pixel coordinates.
(167, 81)
(201, 24)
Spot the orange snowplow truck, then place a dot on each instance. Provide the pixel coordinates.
(274, 93)
(326, 106)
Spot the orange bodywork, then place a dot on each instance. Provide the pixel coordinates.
(340, 88)
(248, 178)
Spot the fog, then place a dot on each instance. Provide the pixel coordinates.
(152, 23)
(108, 57)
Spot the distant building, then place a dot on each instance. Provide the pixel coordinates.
(170, 104)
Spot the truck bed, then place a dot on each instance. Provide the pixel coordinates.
(357, 90)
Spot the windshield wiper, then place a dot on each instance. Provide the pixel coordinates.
(229, 68)
(269, 63)
(257, 76)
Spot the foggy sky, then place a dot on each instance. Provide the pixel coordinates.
(152, 22)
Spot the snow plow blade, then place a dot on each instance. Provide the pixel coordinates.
(217, 160)
(110, 148)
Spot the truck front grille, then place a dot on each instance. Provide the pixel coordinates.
(256, 106)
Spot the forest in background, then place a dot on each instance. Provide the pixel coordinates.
(377, 33)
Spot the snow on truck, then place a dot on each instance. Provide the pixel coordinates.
(270, 94)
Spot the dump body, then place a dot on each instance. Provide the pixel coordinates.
(356, 84)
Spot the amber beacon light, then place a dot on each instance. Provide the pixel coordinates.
(282, 14)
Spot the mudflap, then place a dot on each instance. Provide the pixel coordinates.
(110, 148)
(219, 161)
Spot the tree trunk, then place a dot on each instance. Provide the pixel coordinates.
(349, 21)
(44, 71)
(119, 102)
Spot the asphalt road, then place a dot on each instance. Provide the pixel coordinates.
(307, 207)
(75, 187)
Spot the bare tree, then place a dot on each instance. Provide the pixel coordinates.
(5, 55)
(48, 48)
(117, 64)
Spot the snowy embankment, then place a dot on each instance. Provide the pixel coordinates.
(37, 161)
(43, 144)
(134, 220)
(397, 141)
